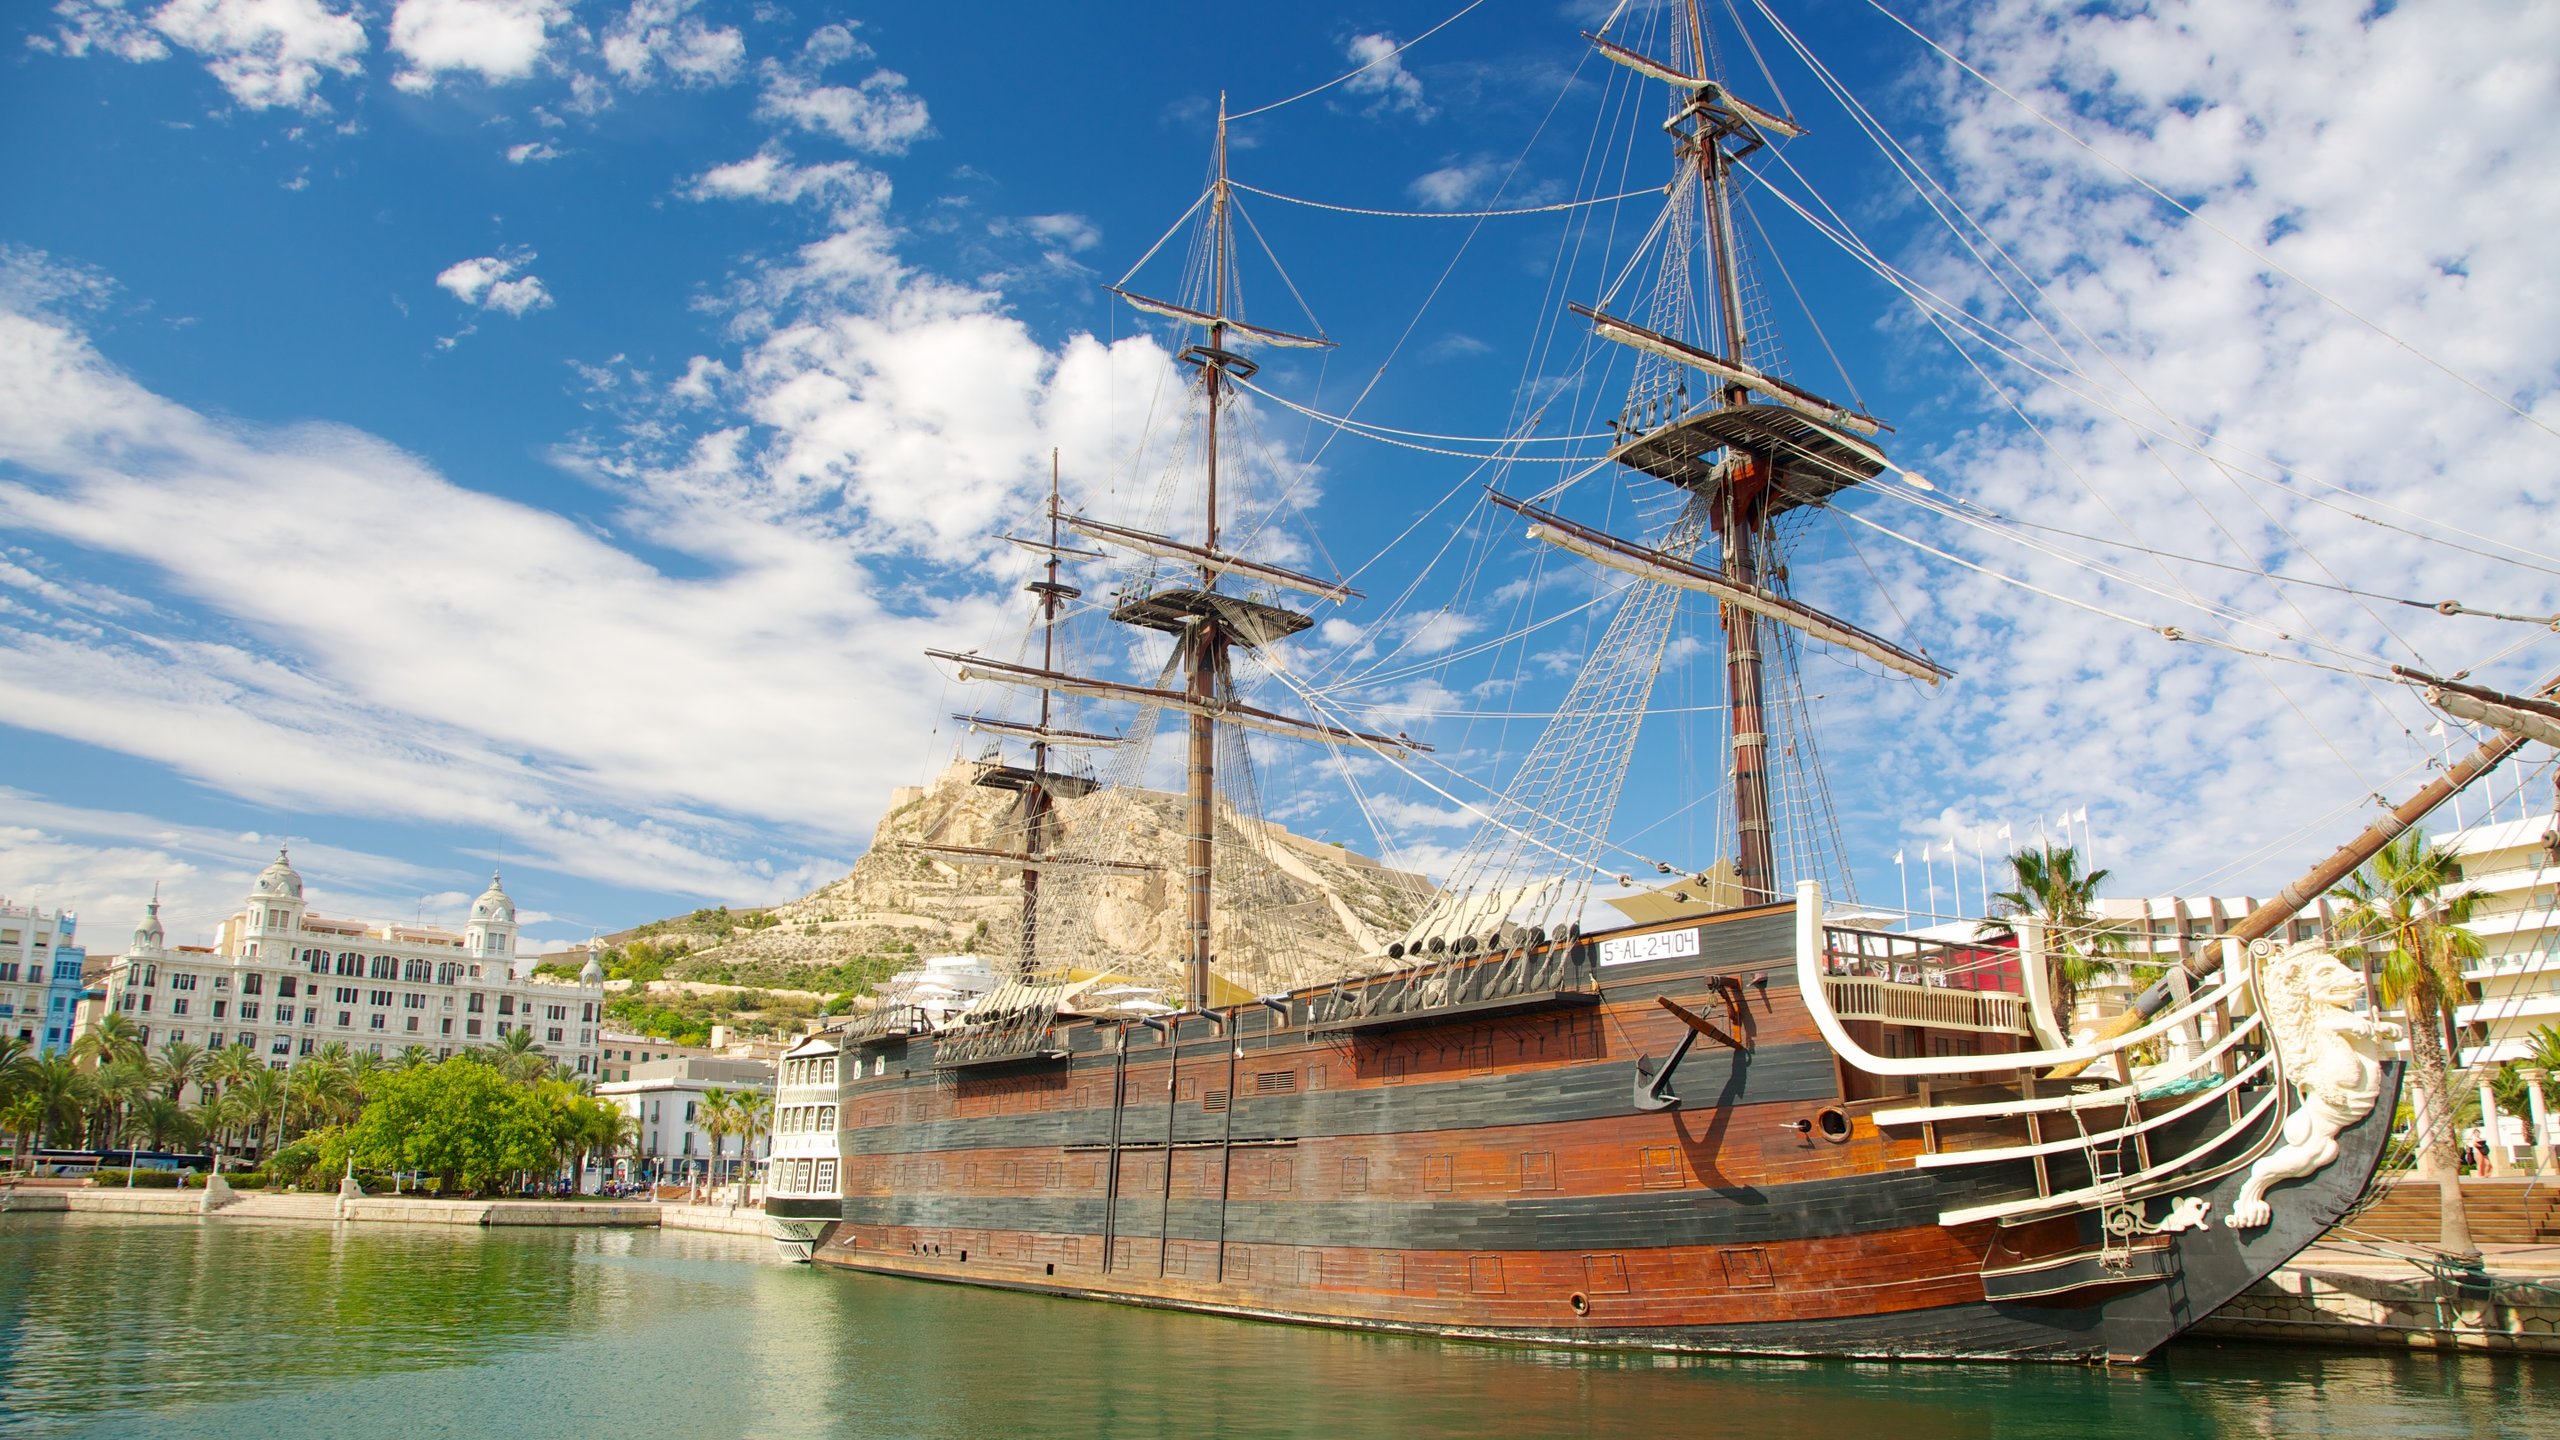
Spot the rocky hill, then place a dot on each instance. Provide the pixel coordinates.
(1287, 910)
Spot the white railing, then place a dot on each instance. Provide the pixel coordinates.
(2232, 983)
(1989, 1012)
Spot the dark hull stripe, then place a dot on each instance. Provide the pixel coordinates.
(1802, 1074)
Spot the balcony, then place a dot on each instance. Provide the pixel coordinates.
(1989, 1012)
(2528, 1009)
(2498, 967)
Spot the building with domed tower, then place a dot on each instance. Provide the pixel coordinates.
(286, 980)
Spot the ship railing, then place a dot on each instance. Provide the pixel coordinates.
(993, 1039)
(1990, 1012)
(1454, 983)
(887, 1021)
(2218, 1023)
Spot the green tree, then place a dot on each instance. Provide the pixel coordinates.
(518, 1056)
(176, 1067)
(2047, 883)
(751, 1112)
(113, 1088)
(463, 1123)
(58, 1093)
(2400, 915)
(261, 1100)
(113, 1037)
(17, 1063)
(159, 1123)
(715, 1118)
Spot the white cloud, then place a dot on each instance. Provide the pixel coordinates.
(1457, 183)
(1067, 232)
(2192, 758)
(266, 53)
(876, 116)
(106, 864)
(657, 36)
(531, 152)
(497, 40)
(770, 175)
(490, 282)
(109, 27)
(1395, 90)
(408, 648)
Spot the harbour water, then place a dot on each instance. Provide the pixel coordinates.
(111, 1326)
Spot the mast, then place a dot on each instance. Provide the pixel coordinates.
(1738, 522)
(1037, 801)
(1205, 657)
(1183, 601)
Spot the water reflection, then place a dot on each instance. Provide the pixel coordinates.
(116, 1327)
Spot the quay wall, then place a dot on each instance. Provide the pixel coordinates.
(2331, 1296)
(388, 1209)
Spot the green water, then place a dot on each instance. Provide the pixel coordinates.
(125, 1327)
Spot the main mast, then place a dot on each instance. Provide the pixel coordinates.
(1738, 521)
(1209, 599)
(1752, 447)
(1206, 655)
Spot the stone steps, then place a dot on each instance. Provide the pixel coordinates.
(2502, 1212)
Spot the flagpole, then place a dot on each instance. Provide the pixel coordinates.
(1982, 869)
(1904, 871)
(1932, 872)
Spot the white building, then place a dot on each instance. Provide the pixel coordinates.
(285, 982)
(665, 1098)
(2514, 867)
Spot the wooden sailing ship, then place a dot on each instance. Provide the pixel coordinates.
(1748, 1128)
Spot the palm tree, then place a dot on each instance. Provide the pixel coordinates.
(113, 1037)
(609, 1130)
(321, 1090)
(2400, 915)
(22, 1114)
(17, 1058)
(752, 1113)
(261, 1100)
(2078, 949)
(112, 1090)
(227, 1067)
(714, 1117)
(413, 1056)
(59, 1093)
(157, 1120)
(179, 1065)
(519, 1056)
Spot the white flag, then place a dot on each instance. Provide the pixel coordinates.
(2004, 833)
(1924, 854)
(2081, 815)
(2436, 729)
(1897, 857)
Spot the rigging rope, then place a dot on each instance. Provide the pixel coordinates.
(1444, 214)
(1374, 62)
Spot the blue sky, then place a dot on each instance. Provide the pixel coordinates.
(471, 433)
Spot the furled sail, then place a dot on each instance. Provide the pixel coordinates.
(1629, 558)
(1235, 328)
(1218, 561)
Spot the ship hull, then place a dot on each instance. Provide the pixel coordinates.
(1494, 1177)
